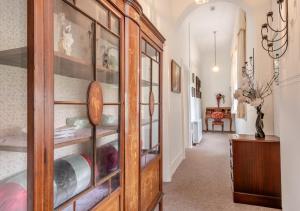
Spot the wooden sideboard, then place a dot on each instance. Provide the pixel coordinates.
(255, 170)
(225, 110)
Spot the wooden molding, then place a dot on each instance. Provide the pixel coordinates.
(136, 5)
(152, 28)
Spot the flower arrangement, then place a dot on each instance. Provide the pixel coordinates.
(254, 94)
(217, 116)
(220, 97)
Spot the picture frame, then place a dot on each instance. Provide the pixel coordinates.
(198, 87)
(175, 77)
(193, 92)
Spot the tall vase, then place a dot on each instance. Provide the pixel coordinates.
(259, 123)
(218, 101)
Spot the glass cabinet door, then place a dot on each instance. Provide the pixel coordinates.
(87, 104)
(149, 103)
(13, 106)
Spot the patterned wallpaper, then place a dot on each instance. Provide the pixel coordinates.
(12, 83)
(13, 22)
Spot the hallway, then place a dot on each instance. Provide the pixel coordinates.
(202, 182)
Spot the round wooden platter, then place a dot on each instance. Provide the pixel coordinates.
(95, 102)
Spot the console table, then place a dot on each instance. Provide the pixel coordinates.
(225, 110)
(255, 170)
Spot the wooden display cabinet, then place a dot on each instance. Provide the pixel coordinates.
(87, 104)
(65, 70)
(74, 153)
(150, 122)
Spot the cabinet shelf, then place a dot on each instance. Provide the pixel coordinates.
(19, 144)
(147, 122)
(72, 67)
(14, 57)
(147, 158)
(145, 83)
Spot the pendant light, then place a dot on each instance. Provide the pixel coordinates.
(215, 67)
(201, 1)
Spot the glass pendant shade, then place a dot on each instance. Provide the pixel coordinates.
(201, 1)
(215, 69)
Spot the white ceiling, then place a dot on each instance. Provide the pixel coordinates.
(181, 8)
(204, 21)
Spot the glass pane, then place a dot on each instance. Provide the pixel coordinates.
(151, 52)
(72, 171)
(145, 93)
(158, 56)
(69, 208)
(143, 46)
(148, 157)
(71, 122)
(114, 24)
(155, 81)
(110, 118)
(13, 105)
(155, 116)
(146, 71)
(155, 73)
(145, 137)
(115, 182)
(73, 153)
(73, 42)
(145, 128)
(107, 156)
(154, 151)
(89, 200)
(108, 64)
(70, 89)
(155, 133)
(110, 92)
(155, 90)
(145, 114)
(94, 9)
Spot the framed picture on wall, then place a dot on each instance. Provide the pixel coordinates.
(193, 91)
(175, 77)
(198, 87)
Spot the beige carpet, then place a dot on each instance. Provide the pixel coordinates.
(202, 181)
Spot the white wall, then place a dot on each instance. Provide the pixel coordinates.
(175, 106)
(174, 26)
(173, 145)
(214, 83)
(287, 120)
(286, 96)
(256, 11)
(256, 16)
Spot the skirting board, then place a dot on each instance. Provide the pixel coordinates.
(176, 162)
(259, 200)
(173, 167)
